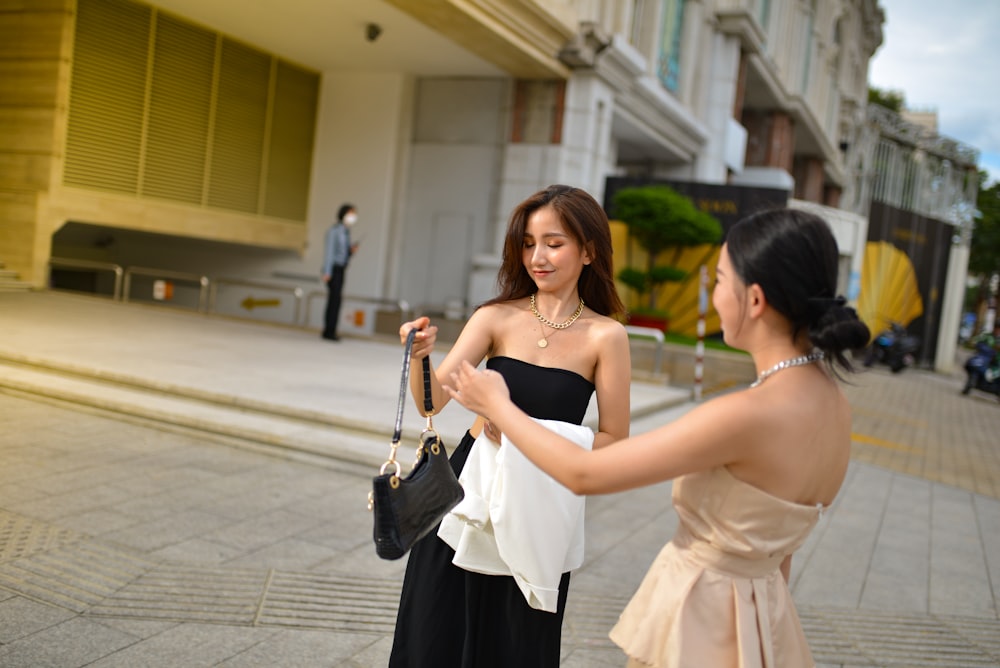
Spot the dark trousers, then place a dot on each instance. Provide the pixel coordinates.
(336, 286)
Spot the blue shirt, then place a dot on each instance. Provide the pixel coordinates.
(337, 247)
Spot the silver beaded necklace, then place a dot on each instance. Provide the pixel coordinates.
(814, 356)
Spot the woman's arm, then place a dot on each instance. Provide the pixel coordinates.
(327, 254)
(472, 345)
(612, 380)
(710, 435)
(786, 567)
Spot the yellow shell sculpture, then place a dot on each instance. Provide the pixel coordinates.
(889, 289)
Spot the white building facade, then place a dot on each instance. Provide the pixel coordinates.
(434, 117)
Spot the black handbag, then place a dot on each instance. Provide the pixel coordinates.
(406, 509)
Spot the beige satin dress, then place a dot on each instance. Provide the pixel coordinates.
(714, 596)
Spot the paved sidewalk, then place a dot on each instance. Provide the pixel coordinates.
(180, 490)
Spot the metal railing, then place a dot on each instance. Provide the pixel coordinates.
(400, 305)
(649, 333)
(202, 281)
(296, 292)
(208, 288)
(68, 263)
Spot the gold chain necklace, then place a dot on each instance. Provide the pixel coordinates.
(543, 342)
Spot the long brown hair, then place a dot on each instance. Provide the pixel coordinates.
(585, 221)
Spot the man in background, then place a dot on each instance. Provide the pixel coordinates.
(338, 250)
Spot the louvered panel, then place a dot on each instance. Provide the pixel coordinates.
(186, 154)
(240, 125)
(290, 148)
(104, 132)
(179, 108)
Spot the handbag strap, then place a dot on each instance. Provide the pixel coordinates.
(404, 381)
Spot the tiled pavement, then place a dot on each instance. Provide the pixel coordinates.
(918, 423)
(133, 532)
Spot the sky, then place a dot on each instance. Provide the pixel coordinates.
(945, 56)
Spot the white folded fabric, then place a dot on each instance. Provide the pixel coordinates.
(516, 520)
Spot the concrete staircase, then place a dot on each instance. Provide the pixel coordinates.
(355, 445)
(10, 281)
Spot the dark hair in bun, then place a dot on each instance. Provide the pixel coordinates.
(792, 255)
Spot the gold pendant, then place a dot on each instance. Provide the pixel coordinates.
(542, 343)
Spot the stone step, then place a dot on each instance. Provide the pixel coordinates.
(355, 446)
(10, 281)
(359, 444)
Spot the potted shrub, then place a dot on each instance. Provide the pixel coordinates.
(658, 218)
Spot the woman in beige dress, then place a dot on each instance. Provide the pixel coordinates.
(753, 469)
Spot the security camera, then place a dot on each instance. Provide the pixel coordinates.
(372, 31)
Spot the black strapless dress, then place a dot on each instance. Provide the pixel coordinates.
(451, 618)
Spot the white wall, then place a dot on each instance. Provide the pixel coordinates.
(587, 157)
(851, 233)
(448, 204)
(362, 137)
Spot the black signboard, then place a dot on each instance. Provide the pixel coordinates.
(727, 203)
(927, 243)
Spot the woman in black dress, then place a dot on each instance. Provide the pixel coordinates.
(550, 334)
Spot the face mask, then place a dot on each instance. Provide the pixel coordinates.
(350, 219)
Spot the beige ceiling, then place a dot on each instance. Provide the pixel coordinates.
(330, 35)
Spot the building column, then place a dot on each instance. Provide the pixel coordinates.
(770, 151)
(809, 179)
(770, 140)
(35, 54)
(711, 165)
(831, 196)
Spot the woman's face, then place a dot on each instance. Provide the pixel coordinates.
(728, 298)
(550, 255)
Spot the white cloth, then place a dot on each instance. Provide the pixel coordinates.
(517, 520)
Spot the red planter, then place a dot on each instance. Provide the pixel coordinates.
(656, 322)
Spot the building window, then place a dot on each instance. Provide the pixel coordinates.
(636, 32)
(810, 26)
(765, 14)
(669, 66)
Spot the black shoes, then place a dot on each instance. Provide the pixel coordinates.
(331, 337)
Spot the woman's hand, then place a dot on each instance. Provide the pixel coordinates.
(423, 342)
(477, 390)
(491, 432)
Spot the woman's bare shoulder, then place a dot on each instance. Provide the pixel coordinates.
(607, 321)
(496, 311)
(607, 329)
(503, 308)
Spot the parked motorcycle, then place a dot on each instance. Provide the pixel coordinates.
(895, 347)
(982, 370)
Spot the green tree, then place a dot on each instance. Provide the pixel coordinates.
(891, 99)
(658, 218)
(984, 253)
(984, 250)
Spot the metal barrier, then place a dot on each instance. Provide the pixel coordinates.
(296, 292)
(649, 333)
(68, 263)
(400, 305)
(208, 288)
(202, 281)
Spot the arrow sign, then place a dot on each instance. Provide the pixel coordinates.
(250, 303)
